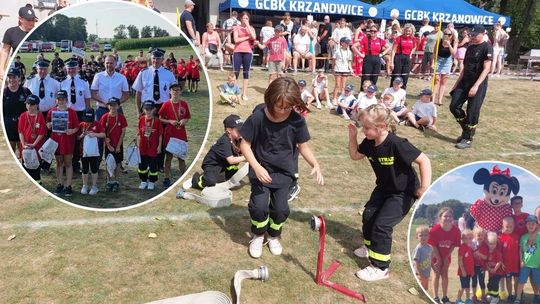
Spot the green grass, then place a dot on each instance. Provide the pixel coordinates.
(130, 194)
(118, 263)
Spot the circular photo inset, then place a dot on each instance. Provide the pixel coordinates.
(105, 105)
(474, 237)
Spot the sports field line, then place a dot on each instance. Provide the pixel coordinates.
(194, 216)
(437, 155)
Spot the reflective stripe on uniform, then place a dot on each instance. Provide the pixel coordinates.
(494, 293)
(152, 173)
(232, 167)
(367, 242)
(260, 224)
(199, 182)
(378, 256)
(143, 171)
(274, 225)
(471, 126)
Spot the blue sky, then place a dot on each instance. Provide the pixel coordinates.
(111, 14)
(458, 184)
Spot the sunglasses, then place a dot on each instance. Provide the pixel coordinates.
(448, 34)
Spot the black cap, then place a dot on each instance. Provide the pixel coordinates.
(113, 100)
(477, 29)
(27, 13)
(174, 85)
(233, 121)
(344, 40)
(89, 115)
(149, 104)
(426, 92)
(72, 64)
(62, 94)
(32, 99)
(43, 63)
(158, 53)
(302, 83)
(14, 72)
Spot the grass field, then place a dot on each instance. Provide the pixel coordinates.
(130, 194)
(64, 255)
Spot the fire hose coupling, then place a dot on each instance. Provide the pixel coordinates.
(260, 273)
(315, 223)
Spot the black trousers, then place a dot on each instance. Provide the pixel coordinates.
(381, 213)
(148, 170)
(90, 164)
(268, 208)
(467, 119)
(212, 175)
(372, 67)
(493, 285)
(402, 67)
(35, 174)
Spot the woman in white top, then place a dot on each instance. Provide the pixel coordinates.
(211, 45)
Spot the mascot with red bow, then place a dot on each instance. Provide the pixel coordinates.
(498, 185)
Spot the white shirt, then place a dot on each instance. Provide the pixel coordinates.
(51, 88)
(301, 42)
(144, 83)
(426, 28)
(318, 85)
(109, 86)
(425, 109)
(349, 101)
(267, 32)
(306, 95)
(82, 92)
(342, 57)
(364, 101)
(399, 96)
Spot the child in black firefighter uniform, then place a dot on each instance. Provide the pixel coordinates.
(224, 155)
(391, 158)
(271, 137)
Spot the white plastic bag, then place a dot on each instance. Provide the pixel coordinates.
(90, 146)
(111, 164)
(30, 159)
(177, 147)
(133, 156)
(48, 149)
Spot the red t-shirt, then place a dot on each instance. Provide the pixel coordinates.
(492, 259)
(94, 127)
(483, 250)
(466, 253)
(174, 111)
(376, 45)
(444, 241)
(189, 67)
(277, 46)
(150, 130)
(488, 216)
(510, 252)
(195, 71)
(405, 44)
(31, 126)
(66, 143)
(520, 227)
(182, 71)
(113, 127)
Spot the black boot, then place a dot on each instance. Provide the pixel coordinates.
(466, 140)
(463, 128)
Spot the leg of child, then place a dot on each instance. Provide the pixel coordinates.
(468, 289)
(436, 280)
(153, 173)
(143, 168)
(168, 164)
(459, 293)
(315, 93)
(85, 169)
(258, 208)
(424, 121)
(444, 277)
(181, 166)
(424, 281)
(412, 119)
(508, 284)
(336, 87)
(493, 285)
(278, 210)
(69, 168)
(59, 169)
(482, 282)
(474, 282)
(394, 116)
(94, 168)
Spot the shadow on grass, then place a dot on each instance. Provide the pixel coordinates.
(436, 134)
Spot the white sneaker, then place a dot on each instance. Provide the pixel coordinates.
(244, 98)
(256, 246)
(94, 190)
(319, 107)
(84, 189)
(187, 184)
(329, 105)
(143, 185)
(275, 246)
(345, 116)
(494, 300)
(372, 273)
(151, 186)
(361, 252)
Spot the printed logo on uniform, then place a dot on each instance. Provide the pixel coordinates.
(37, 125)
(386, 161)
(445, 244)
(52, 95)
(22, 98)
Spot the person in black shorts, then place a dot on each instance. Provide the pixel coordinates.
(471, 86)
(13, 105)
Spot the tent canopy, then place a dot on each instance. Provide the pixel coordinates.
(336, 7)
(455, 11)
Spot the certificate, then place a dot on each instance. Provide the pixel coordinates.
(60, 120)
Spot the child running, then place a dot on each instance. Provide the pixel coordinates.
(465, 266)
(149, 139)
(64, 124)
(391, 158)
(223, 157)
(32, 131)
(422, 257)
(272, 170)
(90, 164)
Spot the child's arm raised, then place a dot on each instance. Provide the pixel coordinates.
(260, 171)
(307, 154)
(353, 143)
(424, 165)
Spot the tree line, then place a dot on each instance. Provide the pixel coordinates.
(428, 213)
(131, 31)
(61, 27)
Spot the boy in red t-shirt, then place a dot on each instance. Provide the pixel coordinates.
(149, 140)
(510, 251)
(90, 164)
(520, 227)
(64, 124)
(174, 113)
(181, 70)
(189, 69)
(277, 48)
(32, 131)
(195, 75)
(114, 124)
(494, 267)
(465, 266)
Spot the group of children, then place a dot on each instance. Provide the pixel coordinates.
(508, 258)
(61, 124)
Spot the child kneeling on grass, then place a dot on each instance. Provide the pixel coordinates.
(272, 170)
(391, 158)
(90, 164)
(149, 138)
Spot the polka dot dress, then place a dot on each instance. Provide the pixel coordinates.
(488, 216)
